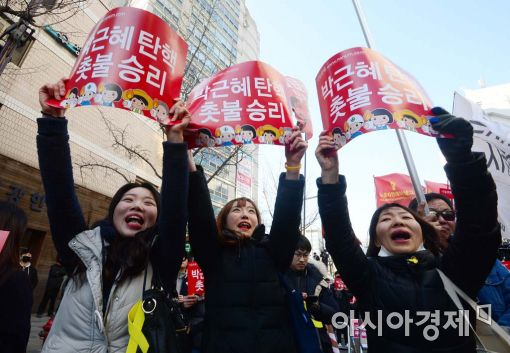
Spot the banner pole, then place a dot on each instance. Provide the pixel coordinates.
(420, 196)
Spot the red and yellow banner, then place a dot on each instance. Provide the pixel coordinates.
(361, 91)
(132, 60)
(393, 188)
(246, 103)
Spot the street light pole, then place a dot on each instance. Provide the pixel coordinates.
(17, 35)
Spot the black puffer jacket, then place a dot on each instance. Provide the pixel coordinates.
(400, 283)
(245, 302)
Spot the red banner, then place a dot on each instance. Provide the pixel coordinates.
(393, 188)
(298, 99)
(243, 104)
(361, 91)
(132, 60)
(195, 279)
(431, 186)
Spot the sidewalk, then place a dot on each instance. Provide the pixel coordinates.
(34, 342)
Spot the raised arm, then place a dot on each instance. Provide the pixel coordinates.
(64, 211)
(289, 201)
(341, 242)
(168, 251)
(477, 235)
(203, 233)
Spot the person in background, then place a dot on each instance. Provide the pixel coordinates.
(55, 279)
(15, 288)
(308, 279)
(496, 290)
(193, 308)
(25, 261)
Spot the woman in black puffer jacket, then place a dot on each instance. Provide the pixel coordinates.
(245, 303)
(399, 275)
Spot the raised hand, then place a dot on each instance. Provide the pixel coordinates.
(52, 91)
(294, 151)
(458, 147)
(327, 157)
(181, 117)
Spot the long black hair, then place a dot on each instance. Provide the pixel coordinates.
(124, 257)
(430, 236)
(14, 220)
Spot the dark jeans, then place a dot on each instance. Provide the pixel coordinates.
(52, 298)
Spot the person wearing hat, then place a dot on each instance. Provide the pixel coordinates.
(353, 126)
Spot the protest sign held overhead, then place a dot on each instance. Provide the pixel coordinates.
(361, 91)
(244, 104)
(298, 100)
(132, 60)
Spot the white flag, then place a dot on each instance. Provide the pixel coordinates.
(494, 140)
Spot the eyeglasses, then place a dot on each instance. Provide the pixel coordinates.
(448, 215)
(301, 255)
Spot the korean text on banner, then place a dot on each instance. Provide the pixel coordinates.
(132, 60)
(431, 186)
(195, 279)
(360, 91)
(393, 188)
(244, 104)
(493, 139)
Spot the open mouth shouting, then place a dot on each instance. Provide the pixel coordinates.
(134, 221)
(400, 236)
(244, 226)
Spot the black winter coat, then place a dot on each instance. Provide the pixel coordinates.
(245, 302)
(400, 283)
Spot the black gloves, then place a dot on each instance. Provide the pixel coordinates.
(457, 148)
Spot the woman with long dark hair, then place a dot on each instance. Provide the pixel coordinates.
(397, 283)
(15, 289)
(245, 302)
(142, 232)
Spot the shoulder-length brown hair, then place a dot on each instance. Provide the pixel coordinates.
(221, 220)
(430, 236)
(14, 220)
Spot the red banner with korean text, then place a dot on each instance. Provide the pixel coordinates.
(360, 91)
(195, 279)
(132, 60)
(244, 104)
(393, 188)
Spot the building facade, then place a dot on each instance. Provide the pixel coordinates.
(100, 167)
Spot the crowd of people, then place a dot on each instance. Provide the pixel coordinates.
(245, 307)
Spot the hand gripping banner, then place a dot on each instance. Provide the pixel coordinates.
(131, 60)
(361, 91)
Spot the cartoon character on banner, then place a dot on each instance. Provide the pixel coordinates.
(285, 133)
(109, 93)
(353, 125)
(224, 135)
(205, 138)
(136, 100)
(407, 119)
(339, 138)
(268, 134)
(378, 119)
(71, 99)
(87, 92)
(427, 128)
(245, 134)
(160, 111)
